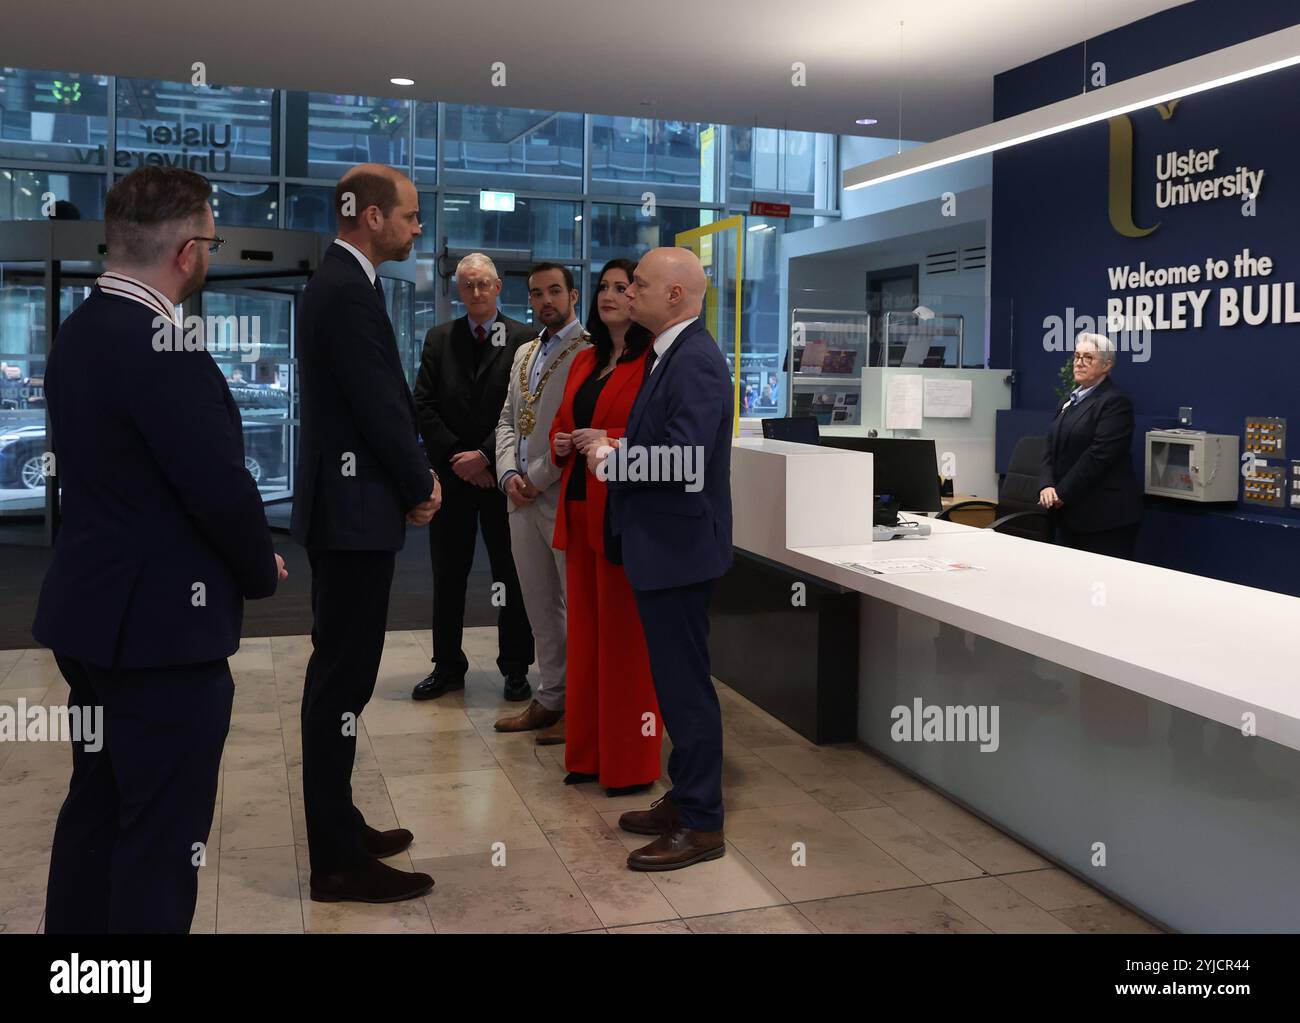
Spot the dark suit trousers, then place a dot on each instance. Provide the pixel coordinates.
(676, 624)
(1116, 543)
(133, 830)
(349, 598)
(452, 536)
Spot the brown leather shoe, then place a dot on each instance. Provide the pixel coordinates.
(553, 736)
(536, 716)
(660, 818)
(678, 848)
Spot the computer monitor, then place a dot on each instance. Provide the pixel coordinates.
(798, 429)
(905, 473)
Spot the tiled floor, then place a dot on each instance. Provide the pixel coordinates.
(819, 838)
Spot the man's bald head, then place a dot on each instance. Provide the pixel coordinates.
(668, 287)
(378, 208)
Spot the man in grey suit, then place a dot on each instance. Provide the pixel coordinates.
(528, 475)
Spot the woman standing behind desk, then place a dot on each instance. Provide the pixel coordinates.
(1087, 479)
(610, 689)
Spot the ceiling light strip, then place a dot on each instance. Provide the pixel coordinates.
(1255, 57)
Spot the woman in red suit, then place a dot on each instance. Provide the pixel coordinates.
(612, 729)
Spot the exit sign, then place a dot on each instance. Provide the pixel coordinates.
(769, 209)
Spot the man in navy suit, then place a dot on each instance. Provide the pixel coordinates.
(669, 520)
(163, 538)
(362, 476)
(1087, 481)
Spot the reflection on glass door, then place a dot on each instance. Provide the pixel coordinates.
(22, 397)
(25, 452)
(719, 248)
(250, 333)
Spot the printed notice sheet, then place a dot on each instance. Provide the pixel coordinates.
(905, 566)
(947, 399)
(903, 397)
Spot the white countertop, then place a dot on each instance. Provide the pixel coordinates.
(1214, 648)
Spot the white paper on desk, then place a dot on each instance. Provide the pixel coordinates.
(905, 566)
(903, 399)
(947, 398)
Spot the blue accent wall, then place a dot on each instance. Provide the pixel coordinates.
(1052, 243)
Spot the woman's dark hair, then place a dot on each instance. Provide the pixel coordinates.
(637, 339)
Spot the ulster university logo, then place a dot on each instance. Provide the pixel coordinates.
(1121, 172)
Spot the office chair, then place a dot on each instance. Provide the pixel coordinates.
(1016, 511)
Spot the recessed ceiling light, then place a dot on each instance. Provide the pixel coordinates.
(402, 81)
(866, 120)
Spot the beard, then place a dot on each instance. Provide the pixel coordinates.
(193, 283)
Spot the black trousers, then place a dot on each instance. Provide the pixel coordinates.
(676, 624)
(132, 833)
(1116, 543)
(349, 599)
(451, 546)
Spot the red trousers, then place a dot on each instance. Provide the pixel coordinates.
(612, 726)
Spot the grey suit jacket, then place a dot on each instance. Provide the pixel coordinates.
(541, 470)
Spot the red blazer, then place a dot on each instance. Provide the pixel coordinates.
(613, 408)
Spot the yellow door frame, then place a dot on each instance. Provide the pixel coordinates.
(695, 240)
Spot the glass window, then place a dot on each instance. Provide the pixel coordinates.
(426, 142)
(501, 147)
(343, 131)
(625, 230)
(780, 166)
(764, 372)
(537, 229)
(54, 116)
(245, 204)
(26, 195)
(635, 155)
(214, 129)
(310, 208)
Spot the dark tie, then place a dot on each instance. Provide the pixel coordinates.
(650, 357)
(379, 287)
(480, 334)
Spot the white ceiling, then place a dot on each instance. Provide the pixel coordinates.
(728, 62)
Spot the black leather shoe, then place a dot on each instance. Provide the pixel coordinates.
(436, 683)
(578, 778)
(382, 844)
(517, 688)
(372, 882)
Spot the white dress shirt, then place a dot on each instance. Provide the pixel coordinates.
(366, 265)
(665, 340)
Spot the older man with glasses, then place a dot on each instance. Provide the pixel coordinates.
(458, 395)
(1087, 480)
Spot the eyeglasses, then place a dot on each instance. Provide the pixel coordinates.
(214, 244)
(475, 286)
(1087, 358)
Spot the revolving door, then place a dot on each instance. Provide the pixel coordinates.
(47, 269)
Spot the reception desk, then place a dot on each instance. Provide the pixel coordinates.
(1148, 721)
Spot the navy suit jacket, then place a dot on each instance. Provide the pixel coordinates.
(664, 534)
(360, 464)
(1088, 459)
(150, 455)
